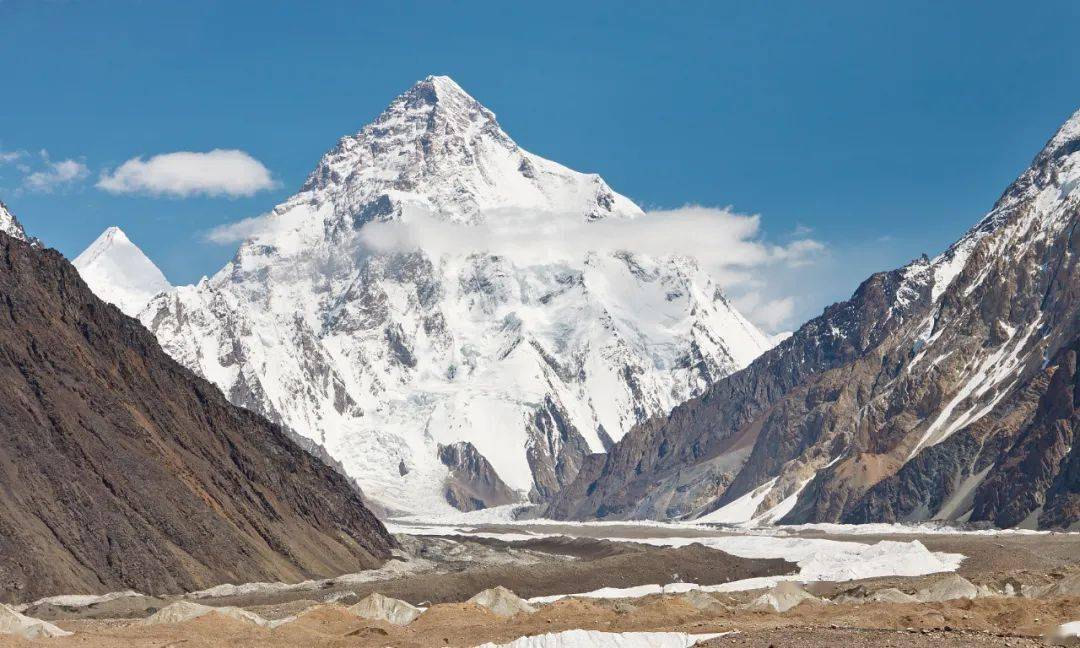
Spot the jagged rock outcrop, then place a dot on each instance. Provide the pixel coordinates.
(472, 483)
(942, 390)
(120, 469)
(329, 322)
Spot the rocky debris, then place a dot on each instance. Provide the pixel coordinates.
(861, 594)
(107, 607)
(502, 602)
(1067, 586)
(181, 611)
(15, 623)
(946, 389)
(784, 596)
(948, 588)
(472, 484)
(125, 470)
(383, 608)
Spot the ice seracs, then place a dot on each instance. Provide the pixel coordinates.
(119, 273)
(384, 354)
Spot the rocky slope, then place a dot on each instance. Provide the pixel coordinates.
(944, 389)
(118, 272)
(384, 355)
(120, 469)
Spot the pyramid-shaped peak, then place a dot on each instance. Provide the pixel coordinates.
(114, 233)
(440, 96)
(118, 271)
(436, 89)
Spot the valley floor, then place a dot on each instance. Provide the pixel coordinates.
(696, 580)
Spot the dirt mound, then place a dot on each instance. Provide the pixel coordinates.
(454, 614)
(332, 620)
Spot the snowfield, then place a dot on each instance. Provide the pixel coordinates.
(597, 639)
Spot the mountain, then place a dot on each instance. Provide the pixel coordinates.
(118, 272)
(397, 312)
(120, 469)
(945, 389)
(11, 225)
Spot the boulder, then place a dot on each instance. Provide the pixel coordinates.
(502, 602)
(783, 596)
(948, 588)
(377, 607)
(20, 625)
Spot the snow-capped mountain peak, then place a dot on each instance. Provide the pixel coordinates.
(389, 357)
(119, 273)
(437, 148)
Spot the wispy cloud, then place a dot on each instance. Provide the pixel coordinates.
(726, 242)
(8, 157)
(236, 232)
(55, 175)
(730, 246)
(182, 174)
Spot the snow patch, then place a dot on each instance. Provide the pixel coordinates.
(598, 639)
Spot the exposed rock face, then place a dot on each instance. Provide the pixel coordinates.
(121, 469)
(942, 389)
(383, 352)
(472, 483)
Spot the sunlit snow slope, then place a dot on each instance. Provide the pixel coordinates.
(119, 273)
(384, 357)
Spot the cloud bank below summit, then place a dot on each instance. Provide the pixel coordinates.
(730, 245)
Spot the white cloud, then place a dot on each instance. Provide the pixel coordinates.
(769, 314)
(236, 232)
(55, 175)
(7, 157)
(726, 242)
(219, 172)
(729, 245)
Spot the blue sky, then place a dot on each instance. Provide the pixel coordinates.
(884, 130)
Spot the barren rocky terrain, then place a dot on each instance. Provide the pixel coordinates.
(1011, 590)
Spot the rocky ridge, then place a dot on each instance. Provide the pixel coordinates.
(941, 390)
(122, 469)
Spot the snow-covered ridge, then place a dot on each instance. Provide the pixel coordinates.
(383, 356)
(11, 225)
(119, 273)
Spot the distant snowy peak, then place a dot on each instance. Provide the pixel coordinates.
(119, 273)
(11, 225)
